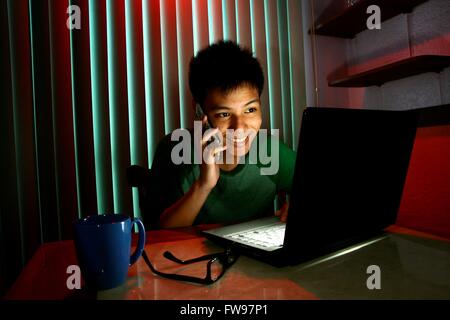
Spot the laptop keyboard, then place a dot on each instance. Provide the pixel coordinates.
(269, 237)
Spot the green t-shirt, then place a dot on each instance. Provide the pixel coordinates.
(240, 194)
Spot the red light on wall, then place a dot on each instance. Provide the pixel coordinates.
(425, 204)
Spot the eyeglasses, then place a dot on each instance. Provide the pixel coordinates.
(217, 265)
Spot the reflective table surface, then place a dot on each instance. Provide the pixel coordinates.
(403, 264)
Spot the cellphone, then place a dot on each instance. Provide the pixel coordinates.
(199, 114)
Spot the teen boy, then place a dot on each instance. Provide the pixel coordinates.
(226, 82)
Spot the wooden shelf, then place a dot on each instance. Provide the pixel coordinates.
(393, 71)
(353, 19)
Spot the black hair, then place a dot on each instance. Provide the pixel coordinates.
(226, 66)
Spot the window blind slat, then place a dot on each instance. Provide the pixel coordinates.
(67, 206)
(243, 32)
(82, 114)
(215, 20)
(154, 100)
(22, 103)
(273, 65)
(118, 107)
(100, 109)
(135, 89)
(259, 48)
(296, 67)
(12, 254)
(200, 24)
(169, 65)
(229, 19)
(185, 47)
(43, 121)
(285, 76)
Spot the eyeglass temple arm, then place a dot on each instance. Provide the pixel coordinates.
(170, 256)
(180, 277)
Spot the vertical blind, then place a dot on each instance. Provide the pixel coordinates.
(79, 106)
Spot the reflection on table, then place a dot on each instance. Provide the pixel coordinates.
(412, 265)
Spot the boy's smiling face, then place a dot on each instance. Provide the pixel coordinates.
(239, 110)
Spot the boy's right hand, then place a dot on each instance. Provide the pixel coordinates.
(209, 169)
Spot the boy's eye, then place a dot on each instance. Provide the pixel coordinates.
(251, 110)
(222, 114)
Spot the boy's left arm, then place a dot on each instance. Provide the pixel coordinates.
(283, 211)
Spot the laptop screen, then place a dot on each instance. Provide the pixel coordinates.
(349, 176)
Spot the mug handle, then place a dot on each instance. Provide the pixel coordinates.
(141, 241)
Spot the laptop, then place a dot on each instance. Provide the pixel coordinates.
(350, 171)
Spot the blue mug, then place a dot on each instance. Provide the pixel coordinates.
(103, 246)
